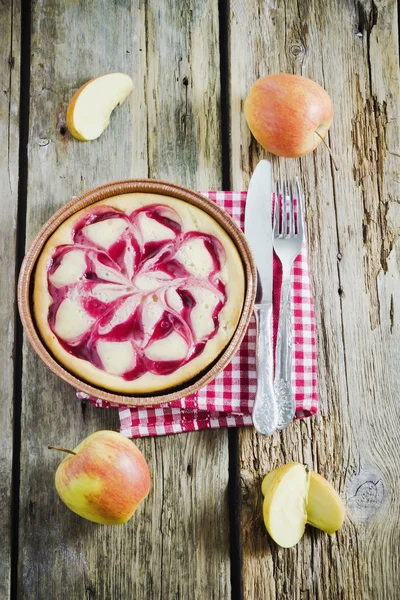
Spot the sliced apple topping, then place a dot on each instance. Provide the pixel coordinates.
(90, 108)
(294, 498)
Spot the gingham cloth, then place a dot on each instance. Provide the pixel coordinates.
(228, 400)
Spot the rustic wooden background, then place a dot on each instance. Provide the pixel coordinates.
(200, 533)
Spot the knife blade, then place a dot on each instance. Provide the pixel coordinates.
(258, 230)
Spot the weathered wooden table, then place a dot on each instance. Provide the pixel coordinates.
(200, 533)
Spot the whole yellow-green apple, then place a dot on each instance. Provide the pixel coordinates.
(104, 479)
(289, 115)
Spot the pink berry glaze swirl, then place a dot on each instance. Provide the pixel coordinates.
(122, 284)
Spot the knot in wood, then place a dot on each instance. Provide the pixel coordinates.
(366, 497)
(89, 592)
(43, 142)
(369, 496)
(297, 49)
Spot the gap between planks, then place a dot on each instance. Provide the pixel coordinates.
(20, 252)
(233, 448)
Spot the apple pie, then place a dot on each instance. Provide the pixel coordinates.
(138, 293)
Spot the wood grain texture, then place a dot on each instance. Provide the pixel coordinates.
(9, 144)
(353, 220)
(168, 128)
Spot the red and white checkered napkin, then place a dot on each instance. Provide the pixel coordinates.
(227, 401)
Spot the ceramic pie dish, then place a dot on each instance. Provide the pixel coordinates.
(137, 292)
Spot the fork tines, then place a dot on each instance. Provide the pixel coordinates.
(288, 217)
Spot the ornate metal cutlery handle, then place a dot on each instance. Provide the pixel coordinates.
(265, 411)
(283, 363)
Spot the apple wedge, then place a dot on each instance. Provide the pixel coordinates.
(325, 509)
(89, 110)
(285, 491)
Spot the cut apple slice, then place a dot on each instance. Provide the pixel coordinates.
(89, 110)
(285, 492)
(325, 509)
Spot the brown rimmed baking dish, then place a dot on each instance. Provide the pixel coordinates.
(115, 189)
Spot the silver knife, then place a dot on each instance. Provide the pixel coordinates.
(258, 230)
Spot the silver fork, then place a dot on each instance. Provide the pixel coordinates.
(288, 239)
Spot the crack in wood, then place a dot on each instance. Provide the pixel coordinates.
(391, 313)
(185, 116)
(146, 80)
(369, 139)
(83, 410)
(366, 20)
(11, 64)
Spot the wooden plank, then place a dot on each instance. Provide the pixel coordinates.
(353, 222)
(9, 144)
(167, 129)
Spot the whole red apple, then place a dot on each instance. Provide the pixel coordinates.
(288, 114)
(104, 479)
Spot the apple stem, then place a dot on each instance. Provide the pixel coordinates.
(62, 449)
(329, 150)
